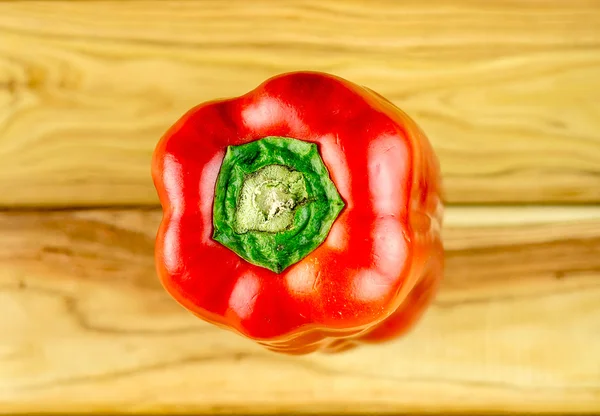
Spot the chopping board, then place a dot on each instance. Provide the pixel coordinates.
(508, 94)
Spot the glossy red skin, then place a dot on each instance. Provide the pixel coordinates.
(380, 266)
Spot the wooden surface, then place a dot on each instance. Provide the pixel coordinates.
(86, 326)
(508, 92)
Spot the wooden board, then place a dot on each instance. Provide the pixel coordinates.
(507, 90)
(86, 326)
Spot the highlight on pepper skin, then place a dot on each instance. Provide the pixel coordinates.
(304, 215)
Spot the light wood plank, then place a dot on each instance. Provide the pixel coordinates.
(86, 327)
(507, 91)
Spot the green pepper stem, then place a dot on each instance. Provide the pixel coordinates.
(274, 201)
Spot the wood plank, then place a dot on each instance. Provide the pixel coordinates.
(86, 326)
(506, 90)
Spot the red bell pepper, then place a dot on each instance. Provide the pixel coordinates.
(304, 215)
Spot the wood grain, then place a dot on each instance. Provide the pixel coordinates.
(507, 90)
(86, 326)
